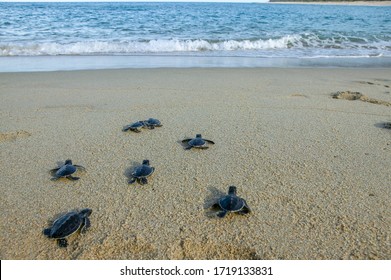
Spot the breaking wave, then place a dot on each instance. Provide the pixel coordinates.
(290, 45)
(134, 47)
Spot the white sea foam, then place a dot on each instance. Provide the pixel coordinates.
(152, 46)
(296, 45)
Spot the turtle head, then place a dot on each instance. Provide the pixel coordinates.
(86, 212)
(198, 136)
(145, 162)
(68, 161)
(232, 190)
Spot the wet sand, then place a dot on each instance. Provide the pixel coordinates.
(314, 169)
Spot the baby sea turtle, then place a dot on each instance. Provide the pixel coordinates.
(135, 127)
(197, 142)
(67, 225)
(232, 203)
(141, 173)
(66, 171)
(151, 123)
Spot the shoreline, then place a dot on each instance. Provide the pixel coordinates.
(106, 62)
(313, 169)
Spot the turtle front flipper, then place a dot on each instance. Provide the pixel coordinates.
(55, 178)
(62, 242)
(85, 225)
(82, 168)
(72, 178)
(209, 141)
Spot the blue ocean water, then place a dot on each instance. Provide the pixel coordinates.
(194, 30)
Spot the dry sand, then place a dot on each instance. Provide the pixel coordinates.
(314, 169)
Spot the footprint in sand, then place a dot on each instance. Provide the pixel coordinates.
(349, 95)
(13, 135)
(376, 84)
(298, 95)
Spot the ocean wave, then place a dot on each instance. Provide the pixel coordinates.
(151, 46)
(297, 42)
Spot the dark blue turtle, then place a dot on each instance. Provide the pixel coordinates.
(141, 173)
(67, 225)
(66, 171)
(151, 123)
(232, 203)
(197, 142)
(135, 127)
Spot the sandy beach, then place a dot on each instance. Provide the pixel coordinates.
(314, 170)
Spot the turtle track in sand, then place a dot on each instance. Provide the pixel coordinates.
(349, 95)
(13, 135)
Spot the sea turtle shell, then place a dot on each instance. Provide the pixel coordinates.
(141, 172)
(66, 170)
(67, 225)
(232, 203)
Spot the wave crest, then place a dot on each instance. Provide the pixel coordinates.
(299, 44)
(152, 46)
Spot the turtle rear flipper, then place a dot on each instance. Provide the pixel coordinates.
(222, 214)
(131, 181)
(186, 140)
(62, 242)
(135, 130)
(70, 177)
(203, 147)
(53, 171)
(245, 209)
(143, 181)
(126, 128)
